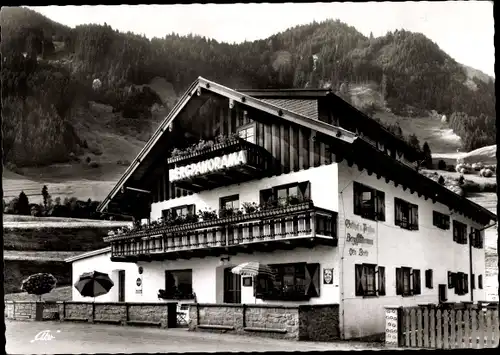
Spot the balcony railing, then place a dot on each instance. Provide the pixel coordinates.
(279, 227)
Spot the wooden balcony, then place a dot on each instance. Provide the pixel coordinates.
(222, 164)
(285, 228)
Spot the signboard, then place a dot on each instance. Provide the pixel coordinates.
(208, 166)
(247, 281)
(138, 284)
(327, 276)
(357, 233)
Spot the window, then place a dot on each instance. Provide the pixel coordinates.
(428, 279)
(247, 133)
(403, 281)
(406, 214)
(369, 203)
(366, 283)
(293, 282)
(477, 238)
(473, 282)
(461, 283)
(440, 220)
(381, 281)
(480, 282)
(286, 194)
(416, 289)
(229, 205)
(179, 284)
(442, 293)
(451, 279)
(179, 212)
(459, 232)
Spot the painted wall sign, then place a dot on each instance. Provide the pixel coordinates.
(358, 239)
(359, 227)
(327, 276)
(360, 252)
(208, 166)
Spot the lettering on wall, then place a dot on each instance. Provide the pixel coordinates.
(208, 166)
(357, 236)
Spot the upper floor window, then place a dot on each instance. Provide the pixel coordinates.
(459, 232)
(286, 194)
(477, 238)
(368, 202)
(247, 133)
(461, 283)
(428, 279)
(480, 282)
(229, 205)
(184, 211)
(406, 214)
(440, 220)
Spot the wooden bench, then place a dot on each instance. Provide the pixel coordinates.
(143, 322)
(217, 327)
(264, 330)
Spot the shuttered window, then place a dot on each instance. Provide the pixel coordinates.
(405, 214)
(381, 280)
(440, 220)
(459, 232)
(461, 283)
(428, 279)
(365, 280)
(368, 202)
(477, 238)
(403, 281)
(480, 282)
(473, 282)
(416, 286)
(451, 279)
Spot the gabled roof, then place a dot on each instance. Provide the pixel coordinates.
(241, 98)
(88, 254)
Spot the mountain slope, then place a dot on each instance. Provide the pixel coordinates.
(49, 80)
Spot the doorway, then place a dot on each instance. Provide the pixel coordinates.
(232, 287)
(121, 286)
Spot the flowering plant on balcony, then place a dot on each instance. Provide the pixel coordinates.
(207, 214)
(228, 212)
(203, 145)
(250, 207)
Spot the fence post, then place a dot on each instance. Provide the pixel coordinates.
(473, 335)
(460, 333)
(426, 327)
(439, 330)
(413, 327)
(446, 324)
(419, 327)
(489, 331)
(432, 330)
(393, 329)
(244, 315)
(467, 329)
(453, 326)
(481, 332)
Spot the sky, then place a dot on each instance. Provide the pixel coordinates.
(463, 29)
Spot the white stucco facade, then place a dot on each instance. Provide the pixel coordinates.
(331, 188)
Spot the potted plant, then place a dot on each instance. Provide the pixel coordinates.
(250, 207)
(207, 214)
(293, 200)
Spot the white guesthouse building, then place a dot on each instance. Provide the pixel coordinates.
(301, 181)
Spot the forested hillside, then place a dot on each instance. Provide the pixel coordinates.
(49, 71)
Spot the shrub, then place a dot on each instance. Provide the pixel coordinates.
(442, 165)
(39, 284)
(441, 180)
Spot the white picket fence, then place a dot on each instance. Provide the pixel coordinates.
(425, 327)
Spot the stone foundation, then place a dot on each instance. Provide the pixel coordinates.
(109, 312)
(316, 323)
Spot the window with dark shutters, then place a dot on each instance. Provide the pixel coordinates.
(369, 203)
(381, 280)
(477, 238)
(365, 280)
(459, 232)
(473, 282)
(461, 283)
(312, 280)
(405, 214)
(451, 279)
(428, 279)
(440, 220)
(404, 281)
(416, 289)
(480, 282)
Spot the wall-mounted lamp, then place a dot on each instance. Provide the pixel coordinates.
(224, 259)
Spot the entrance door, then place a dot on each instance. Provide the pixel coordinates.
(232, 287)
(121, 286)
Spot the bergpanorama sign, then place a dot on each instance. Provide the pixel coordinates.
(208, 166)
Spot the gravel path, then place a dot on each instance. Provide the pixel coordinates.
(68, 337)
